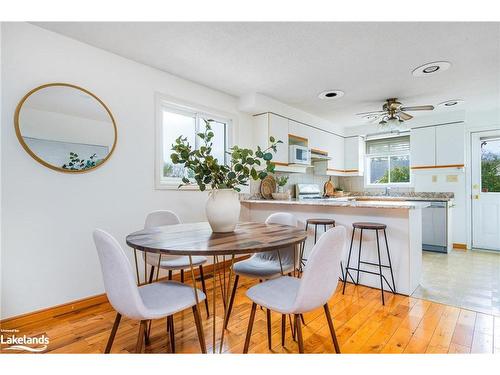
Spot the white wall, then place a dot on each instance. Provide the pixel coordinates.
(48, 256)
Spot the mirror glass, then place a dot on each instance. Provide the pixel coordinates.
(65, 128)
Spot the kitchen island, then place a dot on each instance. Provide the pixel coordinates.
(404, 232)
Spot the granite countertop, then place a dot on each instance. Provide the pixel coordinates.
(342, 202)
(412, 196)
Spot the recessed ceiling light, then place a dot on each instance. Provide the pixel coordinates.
(431, 68)
(450, 103)
(331, 94)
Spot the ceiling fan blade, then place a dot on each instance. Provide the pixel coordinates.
(418, 108)
(405, 116)
(370, 113)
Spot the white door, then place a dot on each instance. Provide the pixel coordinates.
(486, 190)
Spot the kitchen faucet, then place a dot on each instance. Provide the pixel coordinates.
(387, 191)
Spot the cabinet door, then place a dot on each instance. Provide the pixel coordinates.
(278, 128)
(450, 144)
(335, 152)
(351, 153)
(423, 147)
(298, 129)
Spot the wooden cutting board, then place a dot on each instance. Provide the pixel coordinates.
(329, 188)
(268, 187)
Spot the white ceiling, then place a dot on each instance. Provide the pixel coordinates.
(294, 62)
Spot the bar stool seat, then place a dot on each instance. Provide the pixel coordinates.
(321, 221)
(367, 225)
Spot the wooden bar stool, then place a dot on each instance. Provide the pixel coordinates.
(376, 227)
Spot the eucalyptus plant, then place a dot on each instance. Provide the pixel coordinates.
(245, 164)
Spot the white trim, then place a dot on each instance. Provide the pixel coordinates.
(187, 108)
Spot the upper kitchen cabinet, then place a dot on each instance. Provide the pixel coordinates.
(267, 125)
(439, 146)
(335, 148)
(423, 147)
(450, 145)
(354, 153)
(299, 130)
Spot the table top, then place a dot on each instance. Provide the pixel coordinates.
(198, 239)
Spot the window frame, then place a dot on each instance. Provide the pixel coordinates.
(368, 158)
(173, 105)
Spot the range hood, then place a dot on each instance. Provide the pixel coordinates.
(319, 155)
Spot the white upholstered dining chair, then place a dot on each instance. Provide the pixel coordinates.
(145, 303)
(266, 265)
(171, 262)
(290, 295)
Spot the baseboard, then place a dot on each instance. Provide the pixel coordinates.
(460, 246)
(55, 311)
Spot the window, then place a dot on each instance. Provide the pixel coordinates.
(175, 121)
(388, 161)
(490, 165)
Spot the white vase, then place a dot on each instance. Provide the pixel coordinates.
(223, 210)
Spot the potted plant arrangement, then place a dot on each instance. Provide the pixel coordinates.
(281, 181)
(223, 206)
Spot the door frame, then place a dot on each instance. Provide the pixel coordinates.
(468, 176)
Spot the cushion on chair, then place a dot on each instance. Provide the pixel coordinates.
(179, 263)
(277, 294)
(166, 298)
(258, 267)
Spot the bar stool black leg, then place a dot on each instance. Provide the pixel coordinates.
(315, 232)
(348, 260)
(390, 264)
(359, 256)
(380, 269)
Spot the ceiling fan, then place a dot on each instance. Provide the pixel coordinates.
(393, 113)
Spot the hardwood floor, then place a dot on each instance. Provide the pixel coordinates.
(363, 325)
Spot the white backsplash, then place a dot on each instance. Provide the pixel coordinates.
(357, 183)
(297, 178)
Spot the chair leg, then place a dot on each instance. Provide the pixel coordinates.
(151, 274)
(146, 332)
(204, 288)
(113, 333)
(283, 329)
(231, 301)
(140, 337)
(249, 329)
(292, 328)
(348, 261)
(268, 318)
(302, 319)
(332, 329)
(199, 329)
(170, 274)
(170, 321)
(182, 276)
(298, 328)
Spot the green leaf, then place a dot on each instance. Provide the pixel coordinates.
(238, 167)
(268, 156)
(262, 175)
(272, 139)
(231, 175)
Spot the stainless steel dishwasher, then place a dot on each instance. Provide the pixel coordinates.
(434, 227)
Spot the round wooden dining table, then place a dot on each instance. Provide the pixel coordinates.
(196, 239)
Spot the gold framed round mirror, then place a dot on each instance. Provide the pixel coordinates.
(65, 128)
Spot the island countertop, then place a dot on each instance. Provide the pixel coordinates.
(335, 202)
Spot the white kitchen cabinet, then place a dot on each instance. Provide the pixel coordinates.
(450, 144)
(336, 153)
(438, 146)
(423, 147)
(268, 124)
(298, 129)
(354, 153)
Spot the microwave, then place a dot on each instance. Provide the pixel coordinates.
(299, 155)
